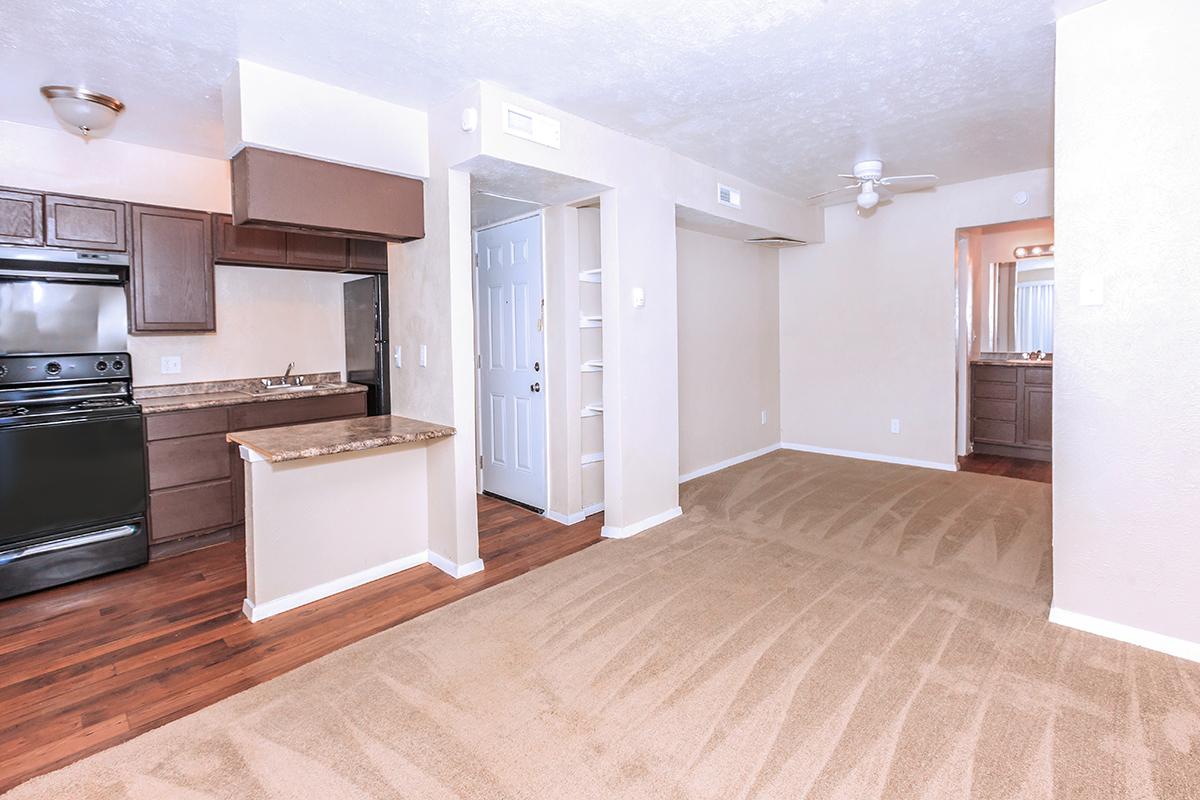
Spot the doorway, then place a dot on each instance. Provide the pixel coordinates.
(510, 315)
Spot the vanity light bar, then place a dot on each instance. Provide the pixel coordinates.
(1034, 251)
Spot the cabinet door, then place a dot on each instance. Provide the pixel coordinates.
(319, 252)
(171, 286)
(89, 224)
(236, 244)
(368, 256)
(1038, 403)
(21, 218)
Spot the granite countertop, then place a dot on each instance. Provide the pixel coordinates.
(211, 394)
(295, 442)
(1011, 362)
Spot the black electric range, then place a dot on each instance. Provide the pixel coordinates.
(72, 470)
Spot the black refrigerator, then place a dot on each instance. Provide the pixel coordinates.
(367, 339)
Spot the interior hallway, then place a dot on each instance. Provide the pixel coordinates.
(91, 664)
(812, 627)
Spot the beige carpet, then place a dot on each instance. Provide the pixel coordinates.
(812, 627)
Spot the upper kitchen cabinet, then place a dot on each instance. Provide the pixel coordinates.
(21, 218)
(316, 252)
(368, 256)
(239, 244)
(83, 223)
(171, 271)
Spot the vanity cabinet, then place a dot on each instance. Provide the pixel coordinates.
(197, 479)
(171, 271)
(1011, 410)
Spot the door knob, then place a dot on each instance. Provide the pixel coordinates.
(536, 387)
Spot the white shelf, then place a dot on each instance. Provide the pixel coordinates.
(592, 410)
(595, 365)
(592, 458)
(590, 276)
(591, 321)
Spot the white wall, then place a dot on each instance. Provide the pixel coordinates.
(1127, 374)
(867, 320)
(728, 348)
(266, 318)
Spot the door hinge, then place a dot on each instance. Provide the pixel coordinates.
(478, 361)
(481, 462)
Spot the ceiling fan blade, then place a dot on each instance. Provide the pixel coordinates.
(902, 183)
(849, 177)
(851, 188)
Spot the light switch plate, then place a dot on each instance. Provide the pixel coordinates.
(639, 297)
(171, 365)
(424, 357)
(399, 360)
(895, 426)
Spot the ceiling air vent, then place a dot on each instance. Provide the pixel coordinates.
(777, 242)
(729, 196)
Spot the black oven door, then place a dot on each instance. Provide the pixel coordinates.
(70, 474)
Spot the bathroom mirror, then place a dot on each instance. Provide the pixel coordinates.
(1019, 317)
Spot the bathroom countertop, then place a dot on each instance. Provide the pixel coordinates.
(1011, 362)
(295, 442)
(212, 394)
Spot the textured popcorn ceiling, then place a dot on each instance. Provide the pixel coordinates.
(782, 92)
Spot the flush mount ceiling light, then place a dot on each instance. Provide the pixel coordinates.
(1034, 251)
(87, 113)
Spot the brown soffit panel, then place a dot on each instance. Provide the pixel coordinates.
(291, 192)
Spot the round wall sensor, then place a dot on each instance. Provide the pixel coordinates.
(470, 119)
(1021, 198)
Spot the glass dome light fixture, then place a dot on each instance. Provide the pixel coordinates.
(88, 113)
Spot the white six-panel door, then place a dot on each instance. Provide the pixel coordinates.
(512, 365)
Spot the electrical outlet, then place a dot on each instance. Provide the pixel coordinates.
(171, 365)
(895, 426)
(399, 360)
(424, 357)
(764, 417)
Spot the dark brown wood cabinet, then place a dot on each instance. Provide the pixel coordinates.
(171, 271)
(368, 256)
(317, 252)
(1011, 410)
(21, 218)
(237, 244)
(85, 223)
(197, 479)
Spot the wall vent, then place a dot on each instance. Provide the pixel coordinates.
(729, 196)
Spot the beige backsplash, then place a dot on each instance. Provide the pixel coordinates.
(266, 318)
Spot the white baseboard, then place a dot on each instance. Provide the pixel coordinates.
(908, 462)
(729, 462)
(571, 519)
(256, 612)
(613, 532)
(1180, 648)
(455, 570)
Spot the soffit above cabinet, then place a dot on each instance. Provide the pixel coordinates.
(291, 192)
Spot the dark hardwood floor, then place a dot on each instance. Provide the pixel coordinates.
(1024, 468)
(89, 665)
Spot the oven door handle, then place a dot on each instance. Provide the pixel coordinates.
(108, 534)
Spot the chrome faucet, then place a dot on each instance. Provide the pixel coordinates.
(287, 373)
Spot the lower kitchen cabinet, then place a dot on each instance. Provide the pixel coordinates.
(197, 480)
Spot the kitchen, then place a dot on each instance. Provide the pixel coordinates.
(135, 339)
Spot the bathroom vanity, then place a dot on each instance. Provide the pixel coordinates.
(1011, 403)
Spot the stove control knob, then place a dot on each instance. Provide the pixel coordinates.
(118, 365)
(101, 365)
(53, 368)
(3, 370)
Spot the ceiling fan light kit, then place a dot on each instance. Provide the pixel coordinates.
(870, 186)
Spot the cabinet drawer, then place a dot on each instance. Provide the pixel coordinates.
(998, 374)
(986, 390)
(990, 430)
(186, 423)
(1002, 410)
(175, 462)
(294, 412)
(91, 224)
(1039, 375)
(190, 509)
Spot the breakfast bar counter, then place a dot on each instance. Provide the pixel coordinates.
(333, 505)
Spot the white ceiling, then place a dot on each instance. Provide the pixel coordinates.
(785, 93)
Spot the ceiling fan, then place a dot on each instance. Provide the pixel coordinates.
(871, 185)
